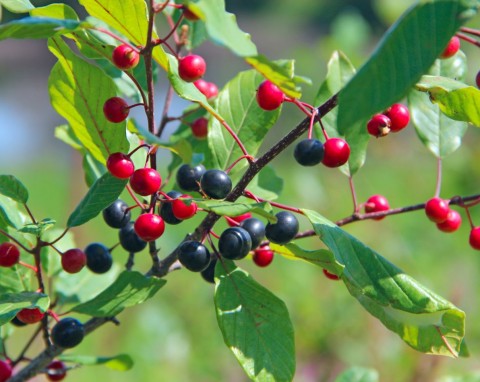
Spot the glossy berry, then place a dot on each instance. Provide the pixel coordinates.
(15, 321)
(5, 370)
(216, 184)
(208, 89)
(30, 316)
(145, 181)
(149, 227)
(9, 254)
(68, 332)
(200, 128)
(238, 219)
(124, 57)
(337, 152)
(474, 238)
(188, 177)
(208, 274)
(284, 230)
(99, 258)
(330, 275)
(182, 210)
(269, 96)
(129, 240)
(256, 230)
(379, 125)
(73, 260)
(191, 67)
(452, 48)
(453, 222)
(309, 152)
(120, 165)
(117, 214)
(194, 256)
(437, 210)
(56, 371)
(165, 210)
(189, 15)
(399, 117)
(116, 110)
(377, 203)
(263, 256)
(234, 243)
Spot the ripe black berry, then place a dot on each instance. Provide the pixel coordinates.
(129, 239)
(256, 230)
(284, 230)
(309, 152)
(188, 177)
(165, 209)
(216, 184)
(208, 273)
(99, 259)
(117, 214)
(235, 243)
(68, 333)
(194, 256)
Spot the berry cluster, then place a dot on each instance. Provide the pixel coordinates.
(394, 119)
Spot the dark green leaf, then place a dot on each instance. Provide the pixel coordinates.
(224, 208)
(405, 53)
(10, 213)
(13, 188)
(12, 303)
(92, 169)
(358, 374)
(121, 362)
(103, 193)
(131, 288)
(424, 320)
(33, 27)
(255, 325)
(267, 184)
(39, 228)
(17, 6)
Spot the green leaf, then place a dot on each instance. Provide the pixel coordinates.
(103, 193)
(424, 320)
(224, 208)
(17, 6)
(121, 362)
(131, 288)
(81, 104)
(358, 374)
(13, 188)
(92, 169)
(339, 72)
(267, 184)
(55, 11)
(440, 134)
(39, 228)
(255, 325)
(10, 213)
(405, 53)
(50, 258)
(10, 280)
(222, 27)
(43, 27)
(12, 303)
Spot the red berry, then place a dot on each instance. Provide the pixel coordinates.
(183, 211)
(115, 109)
(9, 254)
(73, 260)
(437, 210)
(263, 256)
(5, 370)
(399, 117)
(452, 47)
(145, 181)
(238, 219)
(330, 275)
(149, 227)
(208, 89)
(124, 57)
(56, 371)
(377, 203)
(453, 222)
(30, 316)
(474, 238)
(269, 96)
(120, 165)
(200, 127)
(189, 15)
(191, 67)
(379, 125)
(337, 152)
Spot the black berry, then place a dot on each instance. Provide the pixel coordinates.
(235, 243)
(188, 177)
(284, 230)
(309, 152)
(208, 273)
(15, 321)
(129, 239)
(68, 333)
(256, 229)
(216, 184)
(165, 209)
(99, 259)
(194, 256)
(117, 214)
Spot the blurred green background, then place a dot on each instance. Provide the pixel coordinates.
(174, 337)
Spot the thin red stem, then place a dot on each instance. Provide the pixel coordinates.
(26, 265)
(60, 237)
(111, 34)
(248, 157)
(354, 194)
(439, 178)
(248, 194)
(2, 232)
(468, 39)
(235, 137)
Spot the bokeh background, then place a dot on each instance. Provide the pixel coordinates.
(174, 337)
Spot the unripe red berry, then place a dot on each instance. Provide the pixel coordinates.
(183, 211)
(120, 165)
(145, 181)
(377, 203)
(379, 125)
(191, 67)
(238, 219)
(149, 227)
(124, 57)
(337, 152)
(73, 260)
(474, 238)
(437, 210)
(9, 254)
(330, 275)
(453, 222)
(269, 96)
(263, 256)
(200, 128)
(208, 89)
(5, 370)
(56, 371)
(116, 109)
(30, 316)
(399, 117)
(452, 48)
